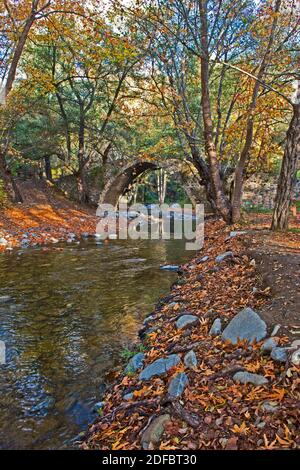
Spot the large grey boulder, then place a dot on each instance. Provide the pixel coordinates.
(186, 320)
(154, 432)
(223, 256)
(216, 328)
(190, 360)
(246, 325)
(178, 384)
(247, 377)
(159, 367)
(135, 363)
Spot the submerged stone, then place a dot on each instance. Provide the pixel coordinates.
(169, 267)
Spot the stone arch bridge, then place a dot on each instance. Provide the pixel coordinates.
(185, 172)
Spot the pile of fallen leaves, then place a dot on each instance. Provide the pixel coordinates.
(46, 217)
(214, 412)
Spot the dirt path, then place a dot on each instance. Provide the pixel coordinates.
(278, 267)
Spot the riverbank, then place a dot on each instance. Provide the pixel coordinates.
(191, 384)
(46, 217)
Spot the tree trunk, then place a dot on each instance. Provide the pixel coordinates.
(82, 183)
(221, 203)
(288, 173)
(48, 169)
(10, 185)
(244, 157)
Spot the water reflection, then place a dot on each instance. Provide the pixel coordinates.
(69, 315)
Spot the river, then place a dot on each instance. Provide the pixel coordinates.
(70, 311)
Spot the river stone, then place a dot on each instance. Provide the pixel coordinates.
(247, 377)
(295, 359)
(279, 354)
(227, 254)
(154, 431)
(247, 325)
(190, 360)
(4, 299)
(128, 396)
(159, 367)
(148, 319)
(269, 407)
(275, 330)
(234, 233)
(186, 320)
(98, 406)
(178, 384)
(216, 328)
(170, 267)
(269, 344)
(135, 363)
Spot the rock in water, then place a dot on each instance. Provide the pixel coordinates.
(223, 256)
(135, 363)
(154, 431)
(4, 299)
(186, 320)
(247, 377)
(98, 406)
(216, 328)
(159, 367)
(169, 267)
(178, 384)
(190, 360)
(245, 325)
(279, 354)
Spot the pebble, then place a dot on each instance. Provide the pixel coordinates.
(186, 320)
(190, 360)
(248, 377)
(279, 354)
(216, 328)
(178, 384)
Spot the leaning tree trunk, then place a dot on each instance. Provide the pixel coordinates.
(48, 168)
(221, 203)
(288, 172)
